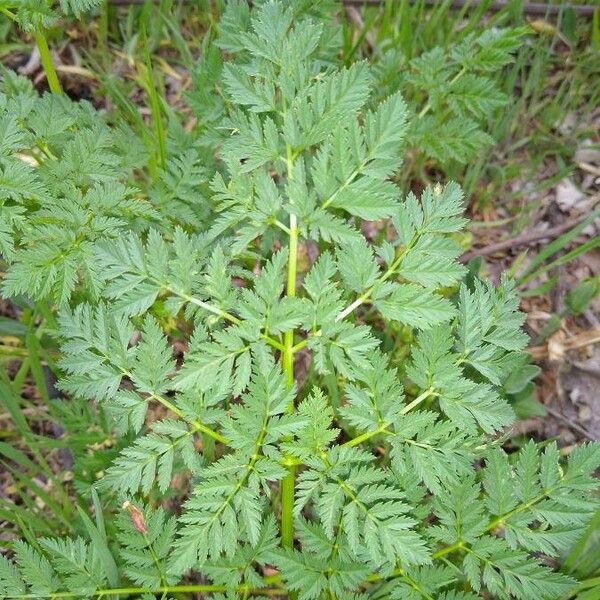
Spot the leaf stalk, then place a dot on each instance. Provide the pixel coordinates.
(46, 59)
(288, 483)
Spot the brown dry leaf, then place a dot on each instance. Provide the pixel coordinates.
(557, 344)
(556, 347)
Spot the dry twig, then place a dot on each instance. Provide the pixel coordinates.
(523, 240)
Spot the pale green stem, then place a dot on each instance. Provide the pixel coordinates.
(197, 424)
(215, 310)
(366, 295)
(8, 13)
(155, 109)
(45, 56)
(383, 428)
(156, 560)
(170, 406)
(46, 59)
(461, 544)
(367, 436)
(281, 226)
(288, 483)
(417, 401)
(427, 107)
(363, 297)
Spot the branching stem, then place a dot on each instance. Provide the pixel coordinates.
(383, 428)
(215, 310)
(420, 398)
(170, 406)
(362, 298)
(367, 435)
(367, 294)
(427, 107)
(460, 545)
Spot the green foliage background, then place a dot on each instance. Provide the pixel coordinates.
(370, 476)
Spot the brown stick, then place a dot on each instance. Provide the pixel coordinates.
(580, 340)
(572, 424)
(522, 240)
(531, 8)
